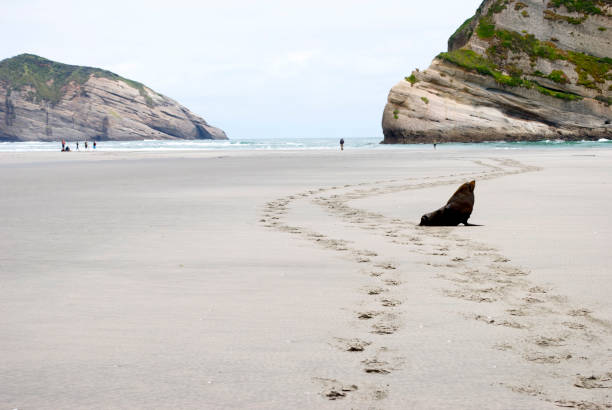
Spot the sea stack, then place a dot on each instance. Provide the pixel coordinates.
(43, 100)
(515, 71)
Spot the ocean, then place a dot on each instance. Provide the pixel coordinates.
(280, 144)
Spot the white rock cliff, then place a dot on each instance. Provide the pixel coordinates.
(517, 70)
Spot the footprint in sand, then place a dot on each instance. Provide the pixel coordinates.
(517, 312)
(390, 302)
(384, 328)
(367, 315)
(574, 325)
(375, 291)
(603, 381)
(317, 235)
(351, 345)
(530, 299)
(577, 404)
(375, 366)
(508, 271)
(547, 359)
(497, 322)
(512, 324)
(392, 282)
(549, 341)
(579, 312)
(470, 296)
(333, 389)
(538, 289)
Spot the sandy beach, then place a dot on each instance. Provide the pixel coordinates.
(300, 280)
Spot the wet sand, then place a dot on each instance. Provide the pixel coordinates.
(300, 280)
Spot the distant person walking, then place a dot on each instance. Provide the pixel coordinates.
(341, 144)
(435, 143)
(85, 145)
(63, 144)
(94, 145)
(77, 145)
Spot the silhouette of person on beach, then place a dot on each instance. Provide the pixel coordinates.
(435, 143)
(85, 144)
(77, 146)
(63, 144)
(341, 144)
(94, 145)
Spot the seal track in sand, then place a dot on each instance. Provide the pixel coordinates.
(572, 346)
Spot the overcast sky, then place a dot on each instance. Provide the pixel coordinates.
(253, 68)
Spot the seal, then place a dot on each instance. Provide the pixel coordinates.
(457, 210)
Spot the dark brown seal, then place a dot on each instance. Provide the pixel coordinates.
(457, 210)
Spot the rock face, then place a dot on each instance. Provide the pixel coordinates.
(42, 100)
(517, 70)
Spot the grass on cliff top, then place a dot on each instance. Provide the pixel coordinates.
(49, 78)
(497, 7)
(461, 29)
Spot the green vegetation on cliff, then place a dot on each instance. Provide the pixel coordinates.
(505, 41)
(472, 61)
(592, 71)
(550, 15)
(411, 79)
(498, 7)
(486, 28)
(579, 6)
(558, 77)
(49, 79)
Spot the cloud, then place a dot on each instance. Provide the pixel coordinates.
(291, 64)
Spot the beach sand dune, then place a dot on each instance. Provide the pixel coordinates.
(301, 280)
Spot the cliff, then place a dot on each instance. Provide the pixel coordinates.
(516, 70)
(45, 100)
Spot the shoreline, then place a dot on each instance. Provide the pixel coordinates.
(291, 144)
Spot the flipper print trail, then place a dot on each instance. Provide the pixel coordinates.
(572, 349)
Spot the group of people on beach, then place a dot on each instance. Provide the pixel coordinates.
(66, 148)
